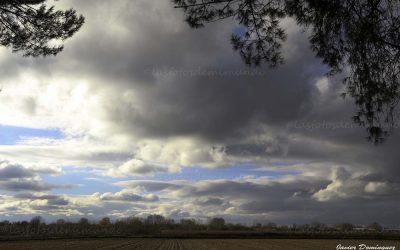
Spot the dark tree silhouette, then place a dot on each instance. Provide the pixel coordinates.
(35, 29)
(362, 37)
(261, 40)
(365, 36)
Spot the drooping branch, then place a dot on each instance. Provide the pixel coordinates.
(262, 38)
(36, 30)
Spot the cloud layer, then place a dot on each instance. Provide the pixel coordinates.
(136, 98)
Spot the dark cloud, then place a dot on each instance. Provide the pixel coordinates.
(29, 185)
(210, 201)
(9, 170)
(54, 200)
(16, 177)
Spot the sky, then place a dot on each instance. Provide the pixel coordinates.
(140, 114)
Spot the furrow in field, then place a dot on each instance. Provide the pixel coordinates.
(125, 244)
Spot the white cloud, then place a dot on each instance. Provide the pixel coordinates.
(323, 85)
(126, 195)
(346, 185)
(375, 187)
(136, 167)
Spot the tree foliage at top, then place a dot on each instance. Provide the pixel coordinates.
(358, 37)
(261, 41)
(33, 28)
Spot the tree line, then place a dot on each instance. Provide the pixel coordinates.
(157, 224)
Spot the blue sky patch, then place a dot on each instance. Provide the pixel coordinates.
(10, 135)
(83, 182)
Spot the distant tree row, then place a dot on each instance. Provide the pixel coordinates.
(321, 227)
(156, 224)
